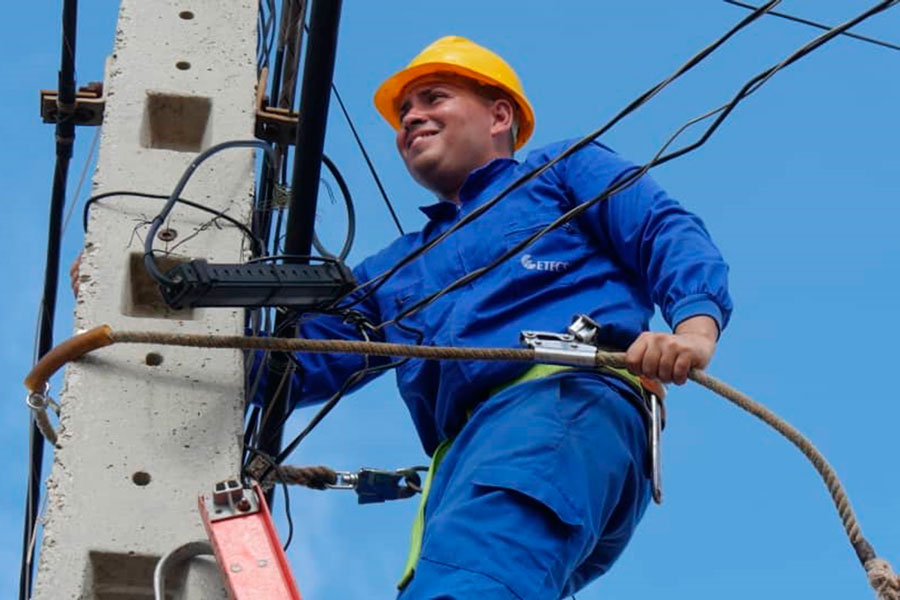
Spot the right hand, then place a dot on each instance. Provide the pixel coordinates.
(74, 278)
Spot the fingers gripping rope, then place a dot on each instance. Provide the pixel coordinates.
(880, 574)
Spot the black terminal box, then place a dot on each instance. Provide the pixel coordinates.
(198, 283)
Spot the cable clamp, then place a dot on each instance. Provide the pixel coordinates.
(376, 485)
(559, 348)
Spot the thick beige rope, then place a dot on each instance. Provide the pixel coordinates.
(317, 478)
(883, 580)
(322, 346)
(881, 576)
(45, 427)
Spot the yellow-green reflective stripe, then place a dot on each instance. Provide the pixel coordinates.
(418, 529)
(542, 370)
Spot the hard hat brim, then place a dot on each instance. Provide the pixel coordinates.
(388, 95)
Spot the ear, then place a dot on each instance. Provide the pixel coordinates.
(502, 116)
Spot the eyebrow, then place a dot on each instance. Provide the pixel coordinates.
(404, 106)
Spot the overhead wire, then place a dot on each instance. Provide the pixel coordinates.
(362, 149)
(84, 169)
(365, 154)
(632, 176)
(265, 33)
(65, 139)
(822, 26)
(376, 282)
(290, 40)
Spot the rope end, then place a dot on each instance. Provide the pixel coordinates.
(883, 579)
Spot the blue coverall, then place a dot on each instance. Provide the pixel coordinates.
(546, 480)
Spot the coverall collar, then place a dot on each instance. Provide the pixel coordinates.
(477, 181)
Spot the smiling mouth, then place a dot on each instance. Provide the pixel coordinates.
(421, 136)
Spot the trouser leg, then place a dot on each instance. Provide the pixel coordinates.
(538, 495)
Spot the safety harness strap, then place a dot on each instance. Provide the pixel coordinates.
(418, 528)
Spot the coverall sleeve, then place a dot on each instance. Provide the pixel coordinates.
(661, 243)
(318, 376)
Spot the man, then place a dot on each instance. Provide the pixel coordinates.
(539, 475)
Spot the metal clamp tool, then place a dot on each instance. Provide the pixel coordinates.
(374, 485)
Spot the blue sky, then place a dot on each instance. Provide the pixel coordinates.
(799, 188)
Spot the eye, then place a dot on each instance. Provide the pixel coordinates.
(404, 108)
(435, 95)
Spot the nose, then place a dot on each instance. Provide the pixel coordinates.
(412, 118)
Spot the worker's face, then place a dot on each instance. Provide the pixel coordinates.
(447, 130)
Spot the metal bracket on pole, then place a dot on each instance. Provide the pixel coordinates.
(87, 109)
(245, 543)
(274, 124)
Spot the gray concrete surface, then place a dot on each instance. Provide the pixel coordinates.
(144, 430)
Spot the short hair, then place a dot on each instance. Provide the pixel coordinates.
(493, 93)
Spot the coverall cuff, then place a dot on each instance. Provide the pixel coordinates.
(697, 304)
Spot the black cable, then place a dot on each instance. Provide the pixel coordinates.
(332, 402)
(817, 25)
(351, 213)
(250, 429)
(328, 259)
(290, 40)
(149, 260)
(751, 86)
(365, 154)
(756, 82)
(65, 138)
(279, 474)
(376, 282)
(362, 149)
(258, 246)
(265, 34)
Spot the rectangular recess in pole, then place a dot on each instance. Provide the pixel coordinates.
(246, 545)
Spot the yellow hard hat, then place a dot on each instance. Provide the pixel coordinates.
(454, 54)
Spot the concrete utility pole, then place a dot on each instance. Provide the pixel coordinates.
(145, 430)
